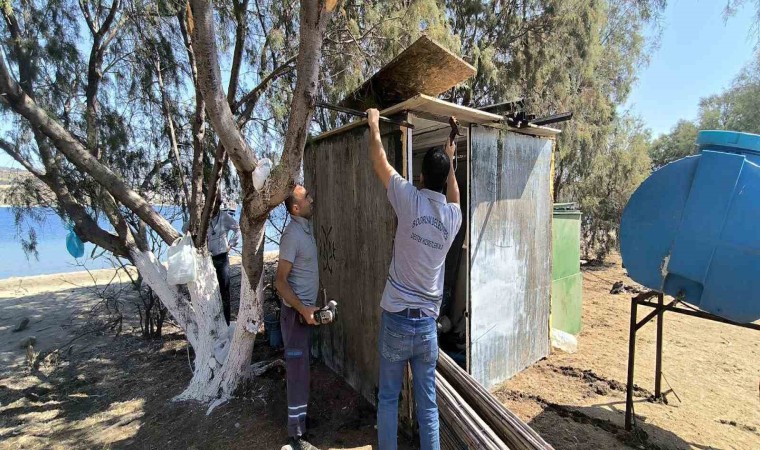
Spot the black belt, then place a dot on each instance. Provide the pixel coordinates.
(412, 313)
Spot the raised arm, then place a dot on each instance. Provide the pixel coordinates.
(452, 188)
(383, 169)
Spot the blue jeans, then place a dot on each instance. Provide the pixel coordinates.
(414, 340)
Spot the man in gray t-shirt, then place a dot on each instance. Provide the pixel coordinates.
(428, 220)
(297, 282)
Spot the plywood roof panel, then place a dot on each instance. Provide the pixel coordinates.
(425, 67)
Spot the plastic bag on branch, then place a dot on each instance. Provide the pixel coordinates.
(74, 245)
(182, 263)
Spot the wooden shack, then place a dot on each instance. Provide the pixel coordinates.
(499, 268)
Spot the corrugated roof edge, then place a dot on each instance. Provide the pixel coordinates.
(426, 104)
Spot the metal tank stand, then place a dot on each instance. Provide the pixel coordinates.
(646, 299)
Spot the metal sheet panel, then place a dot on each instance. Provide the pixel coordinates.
(354, 225)
(510, 252)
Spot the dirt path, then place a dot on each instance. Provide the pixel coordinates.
(577, 401)
(115, 392)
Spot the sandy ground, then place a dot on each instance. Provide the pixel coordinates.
(711, 371)
(105, 389)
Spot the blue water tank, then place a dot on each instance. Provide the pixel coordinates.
(693, 227)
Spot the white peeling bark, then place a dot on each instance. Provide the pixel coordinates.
(237, 365)
(212, 333)
(199, 314)
(154, 275)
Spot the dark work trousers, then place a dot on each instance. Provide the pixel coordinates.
(222, 266)
(297, 338)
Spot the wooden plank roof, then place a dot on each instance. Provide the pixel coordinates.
(434, 109)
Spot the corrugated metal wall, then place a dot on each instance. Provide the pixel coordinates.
(355, 225)
(510, 252)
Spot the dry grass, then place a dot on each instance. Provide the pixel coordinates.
(577, 401)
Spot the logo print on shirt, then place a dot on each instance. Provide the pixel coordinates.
(428, 242)
(434, 222)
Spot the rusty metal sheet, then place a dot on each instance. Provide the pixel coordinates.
(510, 252)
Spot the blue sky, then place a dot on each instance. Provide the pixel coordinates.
(699, 54)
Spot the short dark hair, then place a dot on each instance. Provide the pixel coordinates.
(435, 169)
(291, 199)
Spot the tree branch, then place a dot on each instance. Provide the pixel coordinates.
(88, 17)
(266, 33)
(199, 130)
(153, 172)
(86, 228)
(313, 22)
(109, 19)
(24, 61)
(237, 56)
(255, 93)
(114, 32)
(15, 154)
(95, 71)
(75, 152)
(170, 127)
(220, 160)
(210, 81)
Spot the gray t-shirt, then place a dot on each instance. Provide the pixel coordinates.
(298, 246)
(427, 225)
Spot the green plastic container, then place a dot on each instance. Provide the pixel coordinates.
(567, 281)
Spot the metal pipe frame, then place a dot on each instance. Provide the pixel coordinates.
(660, 308)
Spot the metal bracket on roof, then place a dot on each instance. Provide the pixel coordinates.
(516, 117)
(505, 107)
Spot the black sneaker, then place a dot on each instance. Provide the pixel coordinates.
(299, 443)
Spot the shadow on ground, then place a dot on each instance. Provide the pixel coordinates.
(106, 391)
(120, 396)
(601, 426)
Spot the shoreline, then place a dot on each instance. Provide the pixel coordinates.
(85, 277)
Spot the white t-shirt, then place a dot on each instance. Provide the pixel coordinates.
(218, 230)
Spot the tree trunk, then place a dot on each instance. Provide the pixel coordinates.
(222, 358)
(198, 313)
(221, 361)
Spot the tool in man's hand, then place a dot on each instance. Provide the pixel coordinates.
(455, 131)
(324, 315)
(454, 123)
(354, 112)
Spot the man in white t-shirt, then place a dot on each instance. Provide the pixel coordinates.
(219, 246)
(428, 221)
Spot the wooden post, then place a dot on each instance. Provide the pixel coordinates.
(409, 150)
